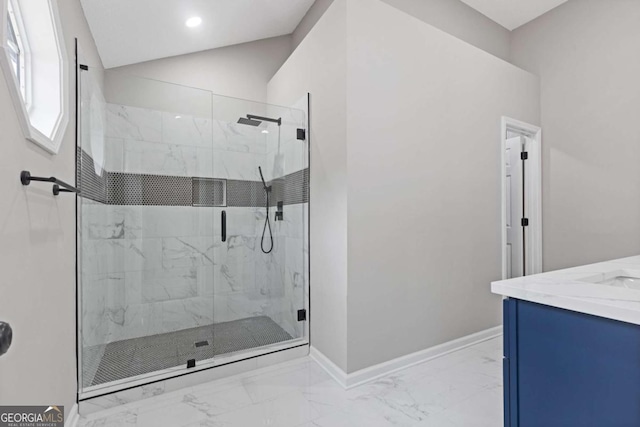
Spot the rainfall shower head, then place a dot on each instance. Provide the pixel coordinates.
(252, 120)
(249, 122)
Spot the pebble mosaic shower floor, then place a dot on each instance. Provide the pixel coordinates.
(136, 356)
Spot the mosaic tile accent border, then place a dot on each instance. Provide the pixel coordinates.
(245, 193)
(94, 182)
(149, 190)
(118, 188)
(292, 188)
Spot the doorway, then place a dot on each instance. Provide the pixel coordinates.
(521, 199)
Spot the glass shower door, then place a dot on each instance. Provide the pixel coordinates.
(259, 265)
(146, 237)
(192, 229)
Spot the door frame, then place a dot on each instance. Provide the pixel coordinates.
(533, 194)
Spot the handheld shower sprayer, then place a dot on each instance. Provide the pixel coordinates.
(264, 184)
(267, 220)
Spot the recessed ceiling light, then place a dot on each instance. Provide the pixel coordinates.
(193, 22)
(265, 131)
(178, 117)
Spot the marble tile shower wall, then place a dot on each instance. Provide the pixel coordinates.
(155, 269)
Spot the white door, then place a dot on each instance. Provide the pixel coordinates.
(514, 206)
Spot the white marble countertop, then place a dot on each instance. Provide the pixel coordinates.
(577, 289)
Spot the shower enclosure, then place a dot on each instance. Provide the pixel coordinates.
(192, 229)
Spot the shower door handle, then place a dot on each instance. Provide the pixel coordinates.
(223, 220)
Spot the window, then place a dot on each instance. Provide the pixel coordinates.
(18, 53)
(34, 63)
(14, 47)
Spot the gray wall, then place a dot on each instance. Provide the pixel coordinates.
(37, 254)
(318, 66)
(451, 16)
(313, 15)
(241, 71)
(415, 160)
(586, 54)
(424, 192)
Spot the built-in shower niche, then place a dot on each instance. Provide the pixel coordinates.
(156, 276)
(209, 192)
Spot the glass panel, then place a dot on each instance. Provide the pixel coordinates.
(14, 47)
(12, 32)
(97, 285)
(147, 251)
(15, 63)
(162, 281)
(259, 269)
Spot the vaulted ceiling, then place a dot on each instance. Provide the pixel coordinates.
(131, 31)
(512, 14)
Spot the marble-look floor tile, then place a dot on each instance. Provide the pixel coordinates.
(285, 411)
(119, 420)
(340, 419)
(220, 402)
(172, 414)
(481, 410)
(460, 389)
(279, 383)
(388, 398)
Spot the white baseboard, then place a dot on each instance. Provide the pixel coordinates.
(331, 368)
(74, 417)
(374, 372)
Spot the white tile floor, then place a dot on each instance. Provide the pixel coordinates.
(463, 388)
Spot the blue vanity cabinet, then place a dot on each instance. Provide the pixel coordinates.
(568, 369)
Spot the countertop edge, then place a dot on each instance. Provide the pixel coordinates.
(579, 305)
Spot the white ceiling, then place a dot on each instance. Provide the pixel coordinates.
(511, 14)
(131, 31)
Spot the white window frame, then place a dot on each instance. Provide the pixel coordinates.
(41, 94)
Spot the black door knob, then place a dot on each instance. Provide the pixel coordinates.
(6, 335)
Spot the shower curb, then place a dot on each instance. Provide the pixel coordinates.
(172, 383)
